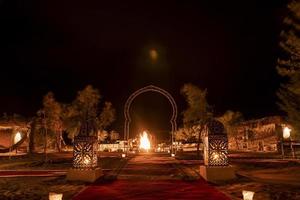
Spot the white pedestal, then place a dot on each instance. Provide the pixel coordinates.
(214, 173)
(88, 175)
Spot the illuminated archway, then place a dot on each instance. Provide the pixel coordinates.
(150, 88)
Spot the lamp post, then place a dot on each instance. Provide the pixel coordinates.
(17, 139)
(286, 134)
(44, 123)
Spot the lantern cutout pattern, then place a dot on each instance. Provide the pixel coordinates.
(215, 144)
(85, 146)
(85, 152)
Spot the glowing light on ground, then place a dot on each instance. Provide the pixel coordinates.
(17, 137)
(144, 141)
(248, 195)
(54, 196)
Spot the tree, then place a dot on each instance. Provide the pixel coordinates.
(186, 134)
(52, 114)
(114, 136)
(31, 144)
(198, 111)
(230, 119)
(289, 67)
(102, 135)
(85, 108)
(71, 120)
(107, 116)
(181, 135)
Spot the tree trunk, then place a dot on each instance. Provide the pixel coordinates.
(198, 149)
(45, 141)
(236, 142)
(46, 144)
(31, 138)
(58, 141)
(198, 143)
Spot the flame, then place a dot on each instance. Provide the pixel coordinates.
(86, 161)
(153, 54)
(17, 137)
(144, 141)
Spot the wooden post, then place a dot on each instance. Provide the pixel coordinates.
(282, 149)
(293, 150)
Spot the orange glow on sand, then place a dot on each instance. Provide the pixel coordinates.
(144, 141)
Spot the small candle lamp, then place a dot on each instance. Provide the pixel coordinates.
(248, 195)
(55, 196)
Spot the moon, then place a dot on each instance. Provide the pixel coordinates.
(153, 54)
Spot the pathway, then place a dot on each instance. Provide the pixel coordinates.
(152, 176)
(30, 173)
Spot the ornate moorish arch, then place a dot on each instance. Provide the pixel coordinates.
(150, 88)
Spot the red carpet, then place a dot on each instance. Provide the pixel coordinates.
(147, 189)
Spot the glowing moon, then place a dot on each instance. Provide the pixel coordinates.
(153, 54)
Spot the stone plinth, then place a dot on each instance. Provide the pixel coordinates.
(86, 175)
(217, 173)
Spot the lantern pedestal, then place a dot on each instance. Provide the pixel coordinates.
(86, 175)
(217, 173)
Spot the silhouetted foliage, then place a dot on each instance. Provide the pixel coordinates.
(114, 136)
(187, 134)
(198, 111)
(107, 116)
(289, 66)
(86, 107)
(52, 111)
(230, 119)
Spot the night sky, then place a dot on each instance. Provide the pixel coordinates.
(227, 47)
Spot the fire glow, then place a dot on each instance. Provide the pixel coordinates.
(144, 141)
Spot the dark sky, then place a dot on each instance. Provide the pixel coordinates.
(230, 48)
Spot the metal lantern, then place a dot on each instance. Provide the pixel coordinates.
(85, 152)
(215, 144)
(85, 146)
